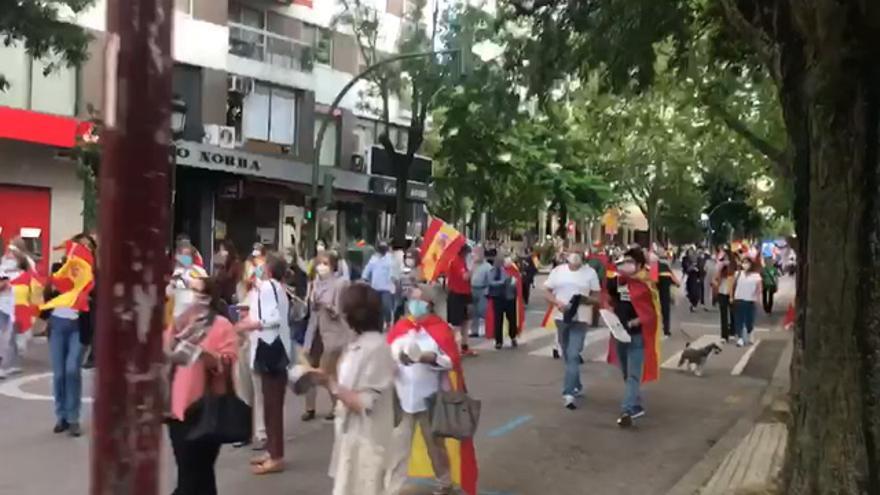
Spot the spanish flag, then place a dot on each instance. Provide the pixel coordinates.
(646, 301)
(461, 453)
(27, 291)
(75, 279)
(442, 243)
(513, 271)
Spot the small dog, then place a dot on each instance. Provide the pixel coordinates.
(696, 358)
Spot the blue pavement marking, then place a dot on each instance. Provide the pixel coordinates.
(429, 482)
(509, 426)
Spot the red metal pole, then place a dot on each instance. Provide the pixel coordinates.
(132, 261)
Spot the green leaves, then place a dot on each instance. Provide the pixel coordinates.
(38, 25)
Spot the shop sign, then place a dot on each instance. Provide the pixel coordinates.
(226, 160)
(388, 187)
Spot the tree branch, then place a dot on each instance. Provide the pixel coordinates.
(779, 157)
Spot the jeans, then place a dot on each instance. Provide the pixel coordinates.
(195, 462)
(744, 318)
(571, 342)
(65, 349)
(9, 351)
(632, 357)
(389, 302)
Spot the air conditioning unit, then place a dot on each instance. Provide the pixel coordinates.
(239, 84)
(220, 135)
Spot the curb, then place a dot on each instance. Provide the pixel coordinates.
(698, 475)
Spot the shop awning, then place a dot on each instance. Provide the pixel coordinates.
(41, 128)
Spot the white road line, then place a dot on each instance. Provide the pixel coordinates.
(702, 341)
(592, 337)
(715, 326)
(525, 337)
(12, 387)
(744, 360)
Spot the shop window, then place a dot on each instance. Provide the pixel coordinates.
(30, 88)
(269, 114)
(321, 40)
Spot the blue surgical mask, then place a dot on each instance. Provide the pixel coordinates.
(185, 259)
(258, 272)
(417, 308)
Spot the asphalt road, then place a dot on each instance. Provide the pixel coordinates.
(528, 443)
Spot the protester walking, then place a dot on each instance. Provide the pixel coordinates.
(746, 294)
(271, 352)
(571, 289)
(424, 347)
(634, 300)
(202, 346)
(505, 302)
(666, 279)
(327, 333)
(364, 387)
(690, 265)
(529, 271)
(458, 302)
(723, 288)
(769, 283)
(382, 273)
(480, 274)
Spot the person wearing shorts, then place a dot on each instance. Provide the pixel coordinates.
(460, 298)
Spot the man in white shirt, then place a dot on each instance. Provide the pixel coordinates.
(572, 288)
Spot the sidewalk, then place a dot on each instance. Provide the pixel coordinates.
(748, 458)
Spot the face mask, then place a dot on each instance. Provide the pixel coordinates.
(417, 307)
(627, 268)
(321, 248)
(508, 261)
(323, 269)
(259, 271)
(747, 266)
(410, 262)
(185, 259)
(256, 253)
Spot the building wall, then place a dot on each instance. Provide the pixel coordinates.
(36, 166)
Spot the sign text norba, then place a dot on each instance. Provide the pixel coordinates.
(221, 159)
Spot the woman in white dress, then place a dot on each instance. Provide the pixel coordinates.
(365, 407)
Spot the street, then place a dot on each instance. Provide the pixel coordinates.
(528, 444)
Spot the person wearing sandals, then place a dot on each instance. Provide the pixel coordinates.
(327, 333)
(365, 407)
(199, 343)
(270, 355)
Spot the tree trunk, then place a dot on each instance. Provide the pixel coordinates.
(830, 91)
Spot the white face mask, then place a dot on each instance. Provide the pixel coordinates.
(256, 253)
(626, 268)
(410, 262)
(747, 266)
(321, 248)
(508, 261)
(323, 269)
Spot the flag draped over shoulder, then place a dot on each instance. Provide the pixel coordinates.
(512, 271)
(442, 243)
(462, 456)
(646, 302)
(27, 291)
(75, 279)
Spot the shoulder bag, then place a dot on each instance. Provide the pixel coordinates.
(454, 414)
(219, 416)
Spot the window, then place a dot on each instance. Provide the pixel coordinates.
(269, 114)
(330, 145)
(31, 90)
(321, 40)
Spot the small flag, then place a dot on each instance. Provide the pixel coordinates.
(75, 279)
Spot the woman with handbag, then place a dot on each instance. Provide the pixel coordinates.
(327, 333)
(429, 361)
(270, 357)
(201, 345)
(365, 407)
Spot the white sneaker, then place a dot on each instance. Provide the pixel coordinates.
(569, 402)
(739, 342)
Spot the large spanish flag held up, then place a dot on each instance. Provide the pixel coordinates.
(646, 301)
(513, 271)
(442, 243)
(75, 279)
(461, 453)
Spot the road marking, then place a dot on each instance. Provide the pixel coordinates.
(702, 341)
(525, 337)
(592, 337)
(509, 426)
(431, 482)
(716, 326)
(744, 360)
(12, 388)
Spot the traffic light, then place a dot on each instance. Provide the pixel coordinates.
(309, 214)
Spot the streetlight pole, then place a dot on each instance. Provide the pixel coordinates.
(134, 223)
(319, 140)
(713, 210)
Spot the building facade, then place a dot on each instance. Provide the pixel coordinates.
(257, 77)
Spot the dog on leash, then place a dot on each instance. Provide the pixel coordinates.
(696, 357)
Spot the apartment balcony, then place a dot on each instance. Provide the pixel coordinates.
(269, 48)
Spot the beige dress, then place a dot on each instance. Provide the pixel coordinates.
(362, 445)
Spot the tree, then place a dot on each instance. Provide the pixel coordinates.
(40, 26)
(821, 56)
(415, 81)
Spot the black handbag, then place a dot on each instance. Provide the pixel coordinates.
(219, 417)
(270, 359)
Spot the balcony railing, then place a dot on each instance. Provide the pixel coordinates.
(271, 48)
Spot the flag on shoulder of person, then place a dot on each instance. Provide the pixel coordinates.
(74, 280)
(442, 243)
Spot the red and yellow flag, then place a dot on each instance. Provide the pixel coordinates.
(646, 302)
(75, 279)
(442, 243)
(461, 453)
(27, 291)
(513, 271)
